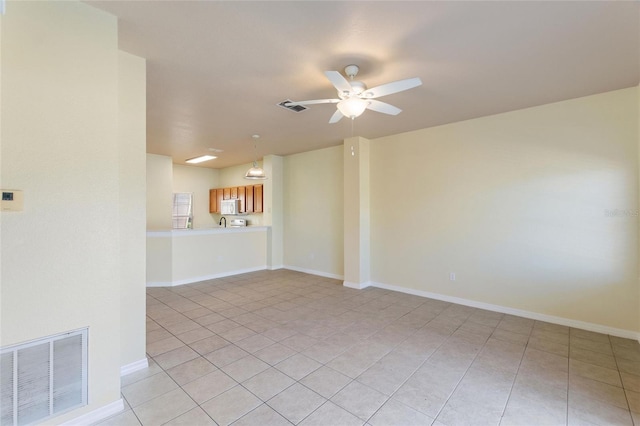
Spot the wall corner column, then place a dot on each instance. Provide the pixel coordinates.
(638, 164)
(357, 245)
(273, 215)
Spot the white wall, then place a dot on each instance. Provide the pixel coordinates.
(521, 206)
(61, 255)
(159, 192)
(313, 211)
(197, 180)
(201, 257)
(132, 176)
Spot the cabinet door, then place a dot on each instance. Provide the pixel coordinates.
(213, 201)
(248, 194)
(234, 192)
(241, 196)
(227, 193)
(219, 197)
(257, 198)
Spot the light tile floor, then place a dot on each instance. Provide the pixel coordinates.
(282, 347)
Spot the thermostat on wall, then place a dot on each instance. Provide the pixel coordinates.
(12, 200)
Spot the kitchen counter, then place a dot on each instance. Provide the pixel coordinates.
(183, 256)
(205, 231)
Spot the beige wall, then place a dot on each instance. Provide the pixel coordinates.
(197, 180)
(188, 256)
(61, 256)
(357, 217)
(159, 192)
(532, 209)
(273, 209)
(313, 211)
(159, 262)
(234, 176)
(132, 176)
(202, 257)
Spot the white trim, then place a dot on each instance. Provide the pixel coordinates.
(314, 272)
(357, 286)
(96, 415)
(204, 278)
(274, 267)
(598, 328)
(140, 364)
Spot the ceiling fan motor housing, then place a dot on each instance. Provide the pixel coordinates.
(357, 88)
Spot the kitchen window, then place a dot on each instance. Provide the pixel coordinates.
(182, 210)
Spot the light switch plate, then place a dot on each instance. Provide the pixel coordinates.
(12, 200)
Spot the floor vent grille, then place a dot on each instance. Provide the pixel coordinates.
(43, 378)
(294, 108)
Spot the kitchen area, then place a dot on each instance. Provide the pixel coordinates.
(233, 225)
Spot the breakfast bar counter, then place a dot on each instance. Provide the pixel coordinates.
(184, 256)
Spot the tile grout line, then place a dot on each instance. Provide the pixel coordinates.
(515, 377)
(626, 396)
(412, 374)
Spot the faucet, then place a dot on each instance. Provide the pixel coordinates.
(225, 221)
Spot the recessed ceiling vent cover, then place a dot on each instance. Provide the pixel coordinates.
(43, 378)
(294, 108)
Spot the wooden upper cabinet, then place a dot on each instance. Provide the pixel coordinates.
(240, 195)
(248, 194)
(257, 198)
(213, 201)
(219, 197)
(250, 197)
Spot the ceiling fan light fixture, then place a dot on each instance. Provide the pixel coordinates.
(352, 107)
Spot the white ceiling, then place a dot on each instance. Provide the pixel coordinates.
(216, 70)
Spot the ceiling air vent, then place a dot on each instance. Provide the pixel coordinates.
(294, 108)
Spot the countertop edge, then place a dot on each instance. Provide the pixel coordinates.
(205, 231)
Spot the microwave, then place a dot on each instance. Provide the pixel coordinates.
(230, 207)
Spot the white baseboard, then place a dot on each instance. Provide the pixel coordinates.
(357, 286)
(598, 328)
(97, 415)
(274, 267)
(314, 272)
(141, 364)
(192, 280)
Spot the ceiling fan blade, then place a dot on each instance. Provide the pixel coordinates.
(315, 101)
(390, 88)
(338, 81)
(336, 117)
(383, 107)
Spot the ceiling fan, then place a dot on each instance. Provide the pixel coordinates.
(354, 97)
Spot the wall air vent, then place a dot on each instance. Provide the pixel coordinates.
(294, 108)
(43, 378)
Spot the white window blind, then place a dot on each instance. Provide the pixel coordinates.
(182, 210)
